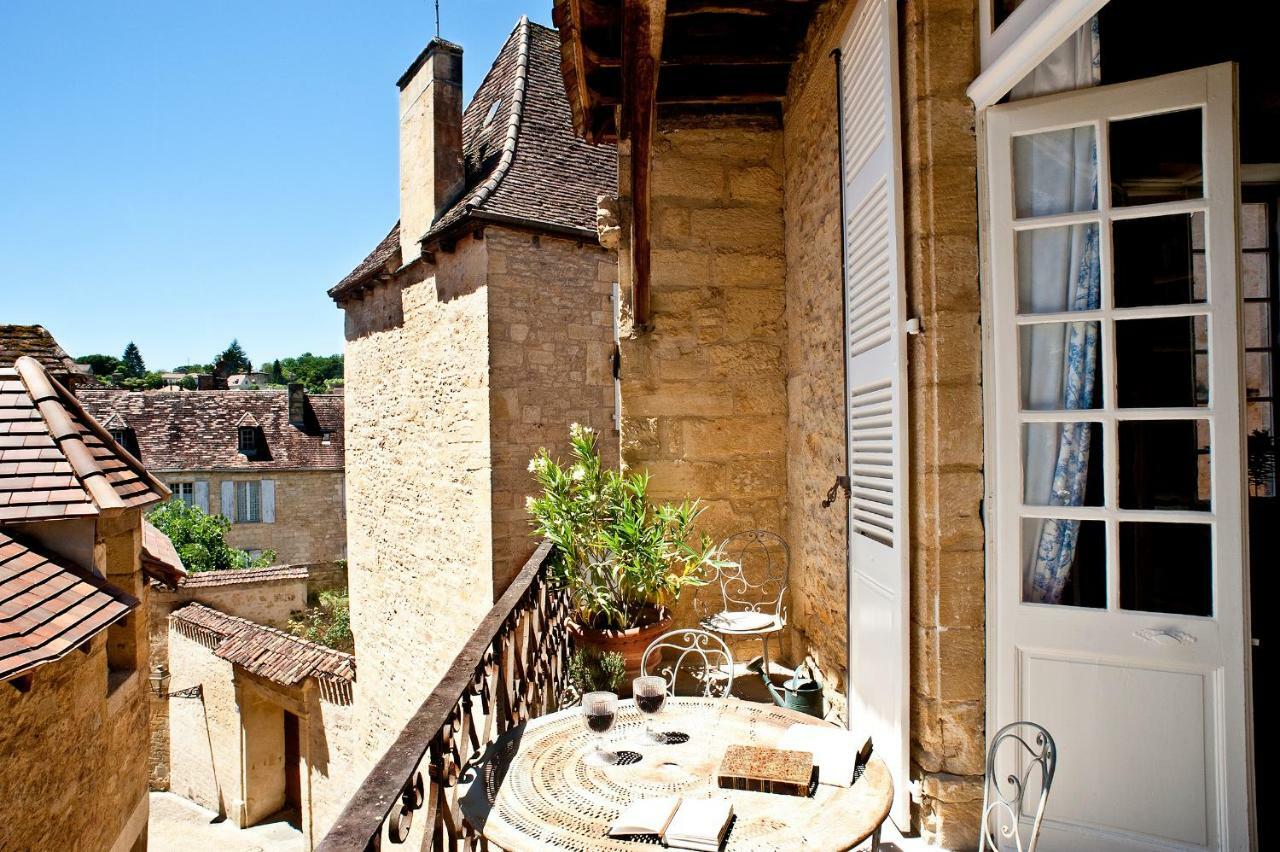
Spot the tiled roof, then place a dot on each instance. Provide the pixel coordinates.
(56, 461)
(36, 341)
(265, 651)
(525, 165)
(197, 430)
(160, 559)
(210, 579)
(48, 606)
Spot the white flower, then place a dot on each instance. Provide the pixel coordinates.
(528, 504)
(577, 474)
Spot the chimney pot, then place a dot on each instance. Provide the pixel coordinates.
(431, 170)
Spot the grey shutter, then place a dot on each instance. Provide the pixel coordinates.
(268, 501)
(200, 494)
(229, 500)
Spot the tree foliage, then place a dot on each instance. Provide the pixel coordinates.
(326, 622)
(131, 362)
(200, 539)
(232, 360)
(100, 365)
(316, 373)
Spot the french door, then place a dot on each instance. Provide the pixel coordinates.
(1117, 594)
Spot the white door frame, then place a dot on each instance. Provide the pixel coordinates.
(994, 534)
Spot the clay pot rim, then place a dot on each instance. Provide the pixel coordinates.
(663, 618)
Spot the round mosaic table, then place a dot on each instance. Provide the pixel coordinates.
(533, 791)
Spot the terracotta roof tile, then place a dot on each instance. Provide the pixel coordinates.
(59, 462)
(236, 577)
(36, 342)
(552, 177)
(49, 606)
(267, 652)
(160, 559)
(197, 430)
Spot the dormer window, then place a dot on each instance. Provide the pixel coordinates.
(248, 440)
(125, 437)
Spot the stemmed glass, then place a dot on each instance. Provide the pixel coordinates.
(650, 694)
(599, 710)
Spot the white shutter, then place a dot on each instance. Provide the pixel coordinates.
(875, 345)
(268, 501)
(200, 494)
(229, 500)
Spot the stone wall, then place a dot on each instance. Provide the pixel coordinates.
(703, 393)
(420, 544)
(204, 750)
(311, 520)
(550, 347)
(938, 59)
(75, 744)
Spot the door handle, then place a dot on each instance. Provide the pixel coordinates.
(1166, 636)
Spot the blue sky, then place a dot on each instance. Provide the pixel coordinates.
(179, 174)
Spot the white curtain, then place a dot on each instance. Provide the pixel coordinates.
(1058, 270)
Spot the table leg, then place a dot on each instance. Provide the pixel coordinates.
(875, 838)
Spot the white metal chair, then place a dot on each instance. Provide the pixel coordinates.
(702, 656)
(752, 583)
(1035, 758)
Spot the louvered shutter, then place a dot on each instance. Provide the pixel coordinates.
(875, 347)
(268, 501)
(229, 500)
(200, 494)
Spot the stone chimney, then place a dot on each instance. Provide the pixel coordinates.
(297, 405)
(431, 172)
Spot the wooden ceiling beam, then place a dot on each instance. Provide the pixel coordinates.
(643, 22)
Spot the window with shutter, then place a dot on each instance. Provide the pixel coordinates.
(248, 502)
(875, 349)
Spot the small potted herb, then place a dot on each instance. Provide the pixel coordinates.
(623, 561)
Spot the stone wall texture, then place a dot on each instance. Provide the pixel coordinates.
(703, 394)
(75, 744)
(311, 517)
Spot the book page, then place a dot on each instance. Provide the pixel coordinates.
(699, 820)
(646, 816)
(835, 750)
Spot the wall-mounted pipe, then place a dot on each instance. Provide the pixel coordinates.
(842, 480)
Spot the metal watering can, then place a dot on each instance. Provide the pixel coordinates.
(798, 693)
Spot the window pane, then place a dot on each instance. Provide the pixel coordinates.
(1156, 363)
(1064, 562)
(1154, 261)
(1062, 464)
(1164, 464)
(1253, 226)
(1166, 568)
(1055, 172)
(1060, 365)
(1257, 324)
(1255, 270)
(1260, 442)
(1257, 375)
(1058, 269)
(1156, 158)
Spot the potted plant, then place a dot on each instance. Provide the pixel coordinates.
(623, 561)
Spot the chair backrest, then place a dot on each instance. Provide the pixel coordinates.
(1003, 803)
(756, 574)
(700, 655)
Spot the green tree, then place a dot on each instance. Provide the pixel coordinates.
(232, 360)
(277, 373)
(147, 381)
(201, 539)
(326, 621)
(194, 368)
(100, 365)
(134, 368)
(315, 372)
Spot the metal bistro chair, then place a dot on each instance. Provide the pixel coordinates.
(1034, 750)
(752, 583)
(698, 653)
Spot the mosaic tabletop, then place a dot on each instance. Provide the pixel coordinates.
(532, 789)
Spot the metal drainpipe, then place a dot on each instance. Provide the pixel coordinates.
(842, 481)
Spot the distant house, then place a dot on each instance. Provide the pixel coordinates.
(271, 461)
(244, 381)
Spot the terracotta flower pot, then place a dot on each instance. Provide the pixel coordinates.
(630, 643)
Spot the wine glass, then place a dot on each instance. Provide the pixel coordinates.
(599, 709)
(650, 693)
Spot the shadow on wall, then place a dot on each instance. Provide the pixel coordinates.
(380, 309)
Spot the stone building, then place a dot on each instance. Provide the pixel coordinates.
(73, 623)
(476, 332)
(271, 731)
(979, 309)
(271, 461)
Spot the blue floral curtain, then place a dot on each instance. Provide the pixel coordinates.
(1058, 271)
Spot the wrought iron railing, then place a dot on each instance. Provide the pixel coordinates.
(512, 669)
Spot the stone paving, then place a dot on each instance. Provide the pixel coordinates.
(178, 825)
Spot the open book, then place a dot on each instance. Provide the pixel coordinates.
(698, 824)
(836, 752)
